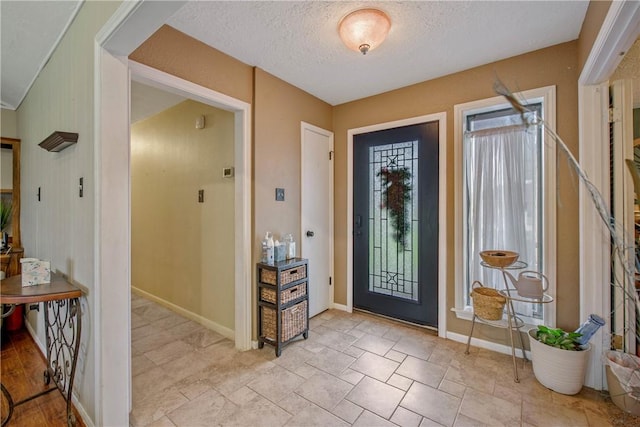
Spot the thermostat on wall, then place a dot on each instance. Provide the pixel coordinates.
(227, 172)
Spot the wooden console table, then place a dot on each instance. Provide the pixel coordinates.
(63, 320)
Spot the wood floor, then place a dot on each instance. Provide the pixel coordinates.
(22, 374)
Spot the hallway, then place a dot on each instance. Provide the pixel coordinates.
(355, 369)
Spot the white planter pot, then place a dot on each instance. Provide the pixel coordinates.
(560, 370)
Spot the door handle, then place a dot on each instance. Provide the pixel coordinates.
(357, 223)
(310, 233)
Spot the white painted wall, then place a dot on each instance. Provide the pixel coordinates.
(60, 227)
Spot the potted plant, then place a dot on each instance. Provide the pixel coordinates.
(559, 361)
(6, 209)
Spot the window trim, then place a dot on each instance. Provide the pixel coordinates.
(546, 95)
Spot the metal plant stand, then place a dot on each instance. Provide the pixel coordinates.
(513, 322)
(63, 321)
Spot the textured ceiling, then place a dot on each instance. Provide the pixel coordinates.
(629, 68)
(30, 30)
(298, 41)
(147, 101)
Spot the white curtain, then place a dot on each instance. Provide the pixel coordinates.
(502, 171)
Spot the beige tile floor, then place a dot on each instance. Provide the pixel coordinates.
(354, 369)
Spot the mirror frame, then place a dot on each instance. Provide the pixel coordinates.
(15, 218)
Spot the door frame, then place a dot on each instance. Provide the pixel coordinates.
(308, 126)
(129, 26)
(622, 210)
(441, 118)
(617, 33)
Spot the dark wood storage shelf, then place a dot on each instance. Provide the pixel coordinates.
(281, 320)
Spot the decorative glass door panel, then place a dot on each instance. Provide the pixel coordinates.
(396, 222)
(393, 220)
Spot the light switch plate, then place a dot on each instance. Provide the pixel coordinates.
(279, 194)
(227, 172)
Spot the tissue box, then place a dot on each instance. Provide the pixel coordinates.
(35, 272)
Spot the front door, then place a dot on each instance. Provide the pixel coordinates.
(395, 205)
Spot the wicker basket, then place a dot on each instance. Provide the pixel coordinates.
(499, 258)
(293, 322)
(295, 292)
(487, 302)
(286, 276)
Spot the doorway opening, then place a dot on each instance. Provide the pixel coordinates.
(182, 210)
(241, 329)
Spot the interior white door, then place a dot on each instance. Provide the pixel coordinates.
(316, 201)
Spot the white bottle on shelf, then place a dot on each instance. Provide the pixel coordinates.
(290, 246)
(270, 247)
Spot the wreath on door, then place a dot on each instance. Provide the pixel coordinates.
(396, 197)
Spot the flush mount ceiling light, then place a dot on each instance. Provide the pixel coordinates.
(364, 30)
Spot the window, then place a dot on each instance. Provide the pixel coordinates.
(505, 194)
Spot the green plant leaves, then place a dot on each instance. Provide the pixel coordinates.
(6, 209)
(396, 197)
(558, 338)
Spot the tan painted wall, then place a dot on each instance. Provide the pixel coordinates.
(61, 227)
(9, 123)
(596, 12)
(178, 54)
(552, 66)
(279, 108)
(183, 251)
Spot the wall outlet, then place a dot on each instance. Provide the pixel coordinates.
(279, 194)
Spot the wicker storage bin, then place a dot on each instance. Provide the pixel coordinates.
(286, 276)
(487, 302)
(293, 322)
(295, 292)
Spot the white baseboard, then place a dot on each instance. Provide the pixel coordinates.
(83, 414)
(487, 345)
(216, 327)
(341, 307)
(74, 398)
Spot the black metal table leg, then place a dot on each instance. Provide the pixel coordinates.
(63, 343)
(63, 320)
(10, 405)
